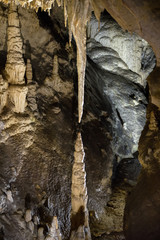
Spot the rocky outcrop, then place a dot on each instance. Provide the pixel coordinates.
(118, 51)
(107, 49)
(141, 213)
(124, 109)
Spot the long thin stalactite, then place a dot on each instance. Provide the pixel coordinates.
(77, 14)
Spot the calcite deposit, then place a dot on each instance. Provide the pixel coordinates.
(53, 185)
(15, 67)
(54, 232)
(3, 93)
(79, 214)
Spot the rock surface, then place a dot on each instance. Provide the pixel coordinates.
(37, 145)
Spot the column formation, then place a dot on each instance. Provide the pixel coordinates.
(15, 66)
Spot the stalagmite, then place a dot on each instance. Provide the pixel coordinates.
(28, 215)
(54, 232)
(17, 96)
(55, 66)
(79, 215)
(32, 87)
(29, 74)
(77, 13)
(3, 93)
(41, 233)
(15, 67)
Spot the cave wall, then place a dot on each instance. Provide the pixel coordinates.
(37, 145)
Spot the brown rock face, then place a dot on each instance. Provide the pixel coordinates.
(142, 211)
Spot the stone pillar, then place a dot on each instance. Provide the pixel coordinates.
(15, 67)
(79, 214)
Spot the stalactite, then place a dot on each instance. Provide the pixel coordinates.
(78, 16)
(3, 93)
(78, 13)
(79, 215)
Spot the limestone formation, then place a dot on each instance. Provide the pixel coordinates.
(31, 226)
(29, 74)
(77, 13)
(55, 66)
(54, 232)
(15, 67)
(48, 161)
(41, 233)
(79, 215)
(17, 94)
(9, 196)
(28, 215)
(56, 83)
(77, 21)
(32, 87)
(153, 125)
(3, 93)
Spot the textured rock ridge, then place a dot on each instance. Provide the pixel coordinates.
(106, 47)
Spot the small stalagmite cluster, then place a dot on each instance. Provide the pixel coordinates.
(77, 13)
(79, 215)
(54, 232)
(14, 88)
(38, 232)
